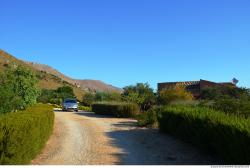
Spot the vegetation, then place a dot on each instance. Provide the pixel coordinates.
(177, 93)
(228, 136)
(230, 100)
(89, 98)
(148, 118)
(24, 134)
(222, 92)
(85, 108)
(117, 109)
(18, 89)
(140, 94)
(56, 96)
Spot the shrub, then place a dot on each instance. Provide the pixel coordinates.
(24, 134)
(56, 96)
(222, 92)
(117, 109)
(228, 136)
(85, 108)
(88, 99)
(18, 89)
(148, 118)
(141, 94)
(233, 106)
(177, 93)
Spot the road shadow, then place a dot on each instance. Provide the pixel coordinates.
(143, 146)
(92, 115)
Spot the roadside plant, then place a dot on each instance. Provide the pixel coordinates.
(177, 93)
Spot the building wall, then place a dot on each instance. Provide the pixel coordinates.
(195, 87)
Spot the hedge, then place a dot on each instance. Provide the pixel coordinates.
(85, 108)
(117, 109)
(23, 134)
(228, 136)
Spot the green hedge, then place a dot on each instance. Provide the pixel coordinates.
(228, 136)
(24, 133)
(117, 109)
(85, 108)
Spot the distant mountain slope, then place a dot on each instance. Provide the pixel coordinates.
(46, 80)
(87, 85)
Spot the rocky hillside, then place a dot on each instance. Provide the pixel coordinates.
(46, 80)
(50, 78)
(86, 85)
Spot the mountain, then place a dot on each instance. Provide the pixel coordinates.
(50, 78)
(86, 84)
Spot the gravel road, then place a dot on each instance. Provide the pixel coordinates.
(85, 138)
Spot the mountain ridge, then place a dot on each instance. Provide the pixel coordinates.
(86, 84)
(50, 78)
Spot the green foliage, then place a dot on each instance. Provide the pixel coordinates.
(85, 108)
(231, 100)
(227, 135)
(148, 118)
(233, 106)
(117, 109)
(24, 134)
(222, 92)
(177, 93)
(56, 96)
(107, 96)
(65, 92)
(88, 99)
(140, 94)
(18, 89)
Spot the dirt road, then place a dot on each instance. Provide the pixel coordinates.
(85, 138)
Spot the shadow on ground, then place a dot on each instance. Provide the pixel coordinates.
(92, 115)
(143, 146)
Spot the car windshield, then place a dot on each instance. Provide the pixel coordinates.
(70, 101)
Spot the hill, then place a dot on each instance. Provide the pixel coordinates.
(86, 84)
(50, 78)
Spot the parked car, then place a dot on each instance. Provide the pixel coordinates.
(70, 104)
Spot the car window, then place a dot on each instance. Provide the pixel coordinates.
(70, 101)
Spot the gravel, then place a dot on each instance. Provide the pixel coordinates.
(85, 138)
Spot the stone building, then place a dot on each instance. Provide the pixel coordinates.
(195, 87)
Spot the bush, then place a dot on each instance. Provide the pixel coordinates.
(85, 108)
(222, 92)
(233, 106)
(24, 134)
(177, 93)
(117, 109)
(18, 89)
(141, 94)
(148, 118)
(56, 96)
(88, 99)
(228, 136)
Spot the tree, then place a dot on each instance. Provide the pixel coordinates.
(221, 92)
(141, 94)
(88, 98)
(176, 93)
(65, 92)
(107, 96)
(56, 96)
(18, 89)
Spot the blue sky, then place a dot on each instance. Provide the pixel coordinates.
(123, 42)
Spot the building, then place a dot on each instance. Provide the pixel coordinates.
(195, 87)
